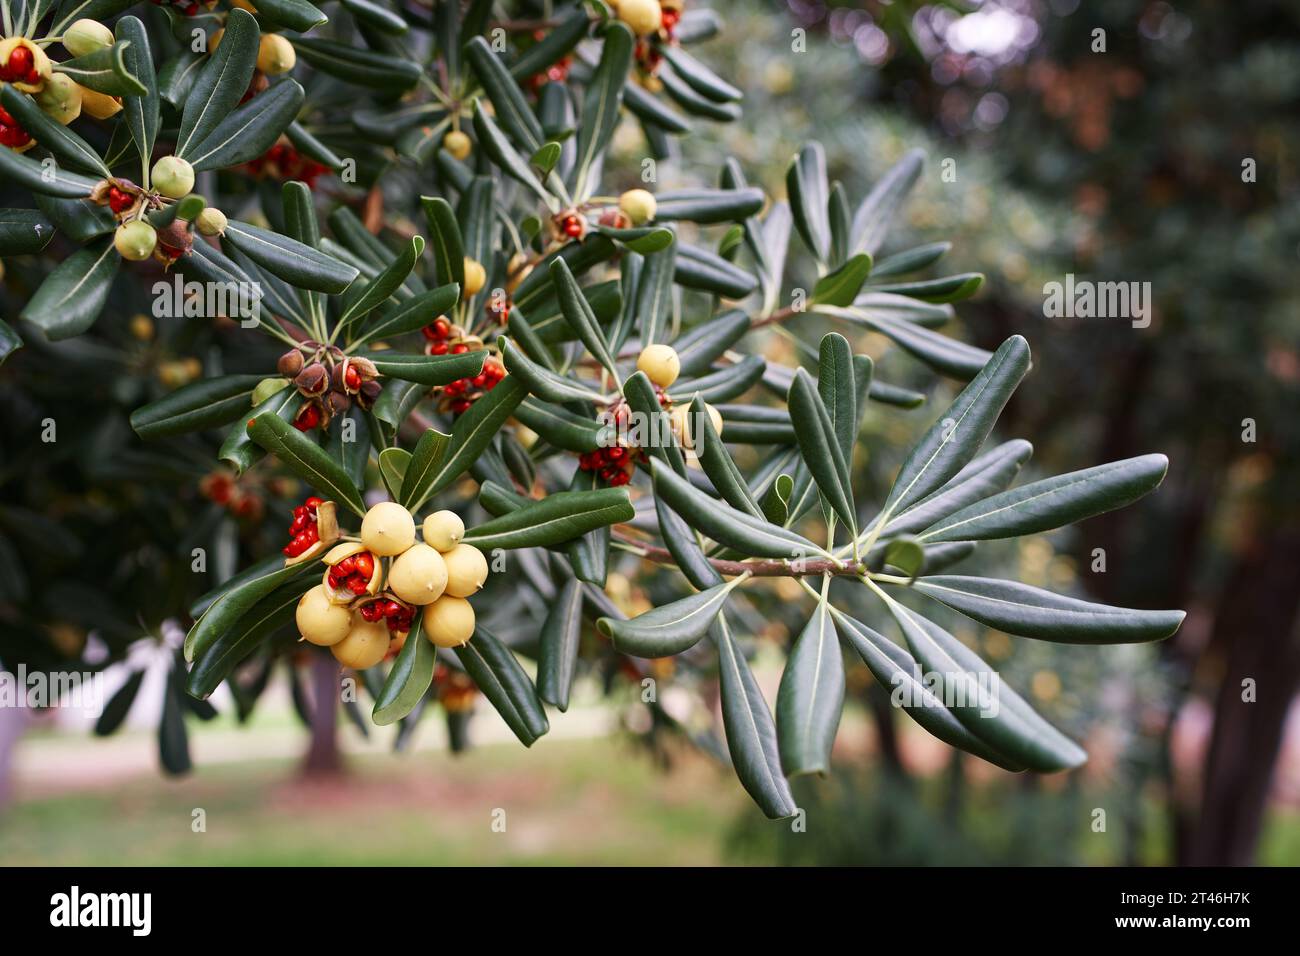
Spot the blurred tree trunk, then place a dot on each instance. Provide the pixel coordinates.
(1257, 625)
(323, 756)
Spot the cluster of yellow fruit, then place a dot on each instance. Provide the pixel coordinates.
(363, 614)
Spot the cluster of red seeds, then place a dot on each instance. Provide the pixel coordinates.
(353, 573)
(221, 489)
(284, 162)
(397, 615)
(302, 533)
(557, 72)
(308, 417)
(463, 392)
(573, 226)
(614, 464)
(11, 133)
(119, 200)
(21, 67)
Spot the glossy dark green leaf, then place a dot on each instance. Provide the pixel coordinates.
(842, 286)
(684, 95)
(348, 443)
(225, 612)
(670, 628)
(408, 679)
(41, 178)
(559, 517)
(361, 299)
(361, 67)
(983, 476)
(240, 451)
(700, 269)
(560, 427)
(558, 659)
(578, 313)
(806, 185)
(105, 71)
(505, 685)
(727, 382)
(250, 130)
(420, 466)
(653, 111)
(512, 110)
(295, 14)
(10, 341)
(948, 289)
(177, 76)
(698, 348)
(204, 404)
(717, 462)
(73, 295)
(445, 240)
(173, 741)
(1032, 612)
(306, 459)
(23, 232)
(393, 463)
(872, 220)
(910, 260)
(559, 40)
(222, 82)
(811, 697)
(290, 260)
(708, 205)
(751, 734)
(377, 16)
(600, 107)
(413, 314)
(682, 543)
(542, 382)
(214, 661)
(65, 145)
(698, 76)
(507, 158)
(427, 369)
(654, 295)
(119, 705)
(141, 111)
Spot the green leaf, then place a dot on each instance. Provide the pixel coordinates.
(141, 111)
(872, 220)
(472, 433)
(361, 299)
(820, 447)
(104, 71)
(119, 705)
(23, 232)
(1032, 612)
(505, 685)
(295, 14)
(811, 697)
(953, 440)
(306, 459)
(654, 295)
(223, 614)
(50, 180)
(907, 554)
(444, 234)
(200, 405)
(408, 679)
(358, 66)
(842, 286)
(559, 40)
(681, 541)
(684, 95)
(10, 341)
(752, 536)
(698, 76)
(177, 77)
(577, 312)
(703, 270)
(899, 672)
(1053, 502)
(670, 628)
(559, 517)
(241, 635)
(413, 314)
(653, 111)
(806, 186)
(295, 263)
(73, 295)
(698, 348)
(350, 446)
(600, 108)
(840, 390)
(250, 130)
(776, 502)
(428, 370)
(542, 382)
(985, 705)
(560, 427)
(717, 462)
(708, 205)
(511, 108)
(546, 156)
(240, 450)
(393, 463)
(982, 477)
(947, 289)
(377, 16)
(727, 382)
(420, 466)
(751, 734)
(506, 158)
(660, 442)
(558, 658)
(66, 146)
(222, 83)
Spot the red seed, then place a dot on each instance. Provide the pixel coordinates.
(352, 378)
(313, 503)
(460, 348)
(20, 62)
(439, 349)
(357, 584)
(442, 327)
(364, 564)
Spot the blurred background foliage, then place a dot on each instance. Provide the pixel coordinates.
(1167, 156)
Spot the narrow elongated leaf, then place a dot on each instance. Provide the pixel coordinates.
(242, 452)
(507, 159)
(23, 232)
(119, 705)
(295, 14)
(444, 235)
(141, 111)
(698, 268)
(811, 697)
(306, 459)
(250, 130)
(751, 734)
(559, 40)
(362, 67)
(670, 628)
(745, 533)
(225, 612)
(680, 540)
(505, 685)
(215, 660)
(577, 312)
(560, 427)
(409, 678)
(105, 71)
(986, 475)
(73, 295)
(1032, 612)
(393, 463)
(558, 658)
(808, 192)
(820, 447)
(654, 295)
(708, 205)
(413, 314)
(295, 263)
(177, 76)
(948, 289)
(421, 465)
(699, 77)
(717, 462)
(840, 390)
(1053, 502)
(10, 341)
(65, 145)
(600, 108)
(872, 220)
(222, 83)
(472, 433)
(206, 403)
(559, 517)
(42, 178)
(953, 440)
(428, 369)
(377, 291)
(842, 286)
(727, 382)
(702, 345)
(512, 109)
(542, 382)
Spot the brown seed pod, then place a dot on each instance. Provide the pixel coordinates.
(290, 363)
(313, 381)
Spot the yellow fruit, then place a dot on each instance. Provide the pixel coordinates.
(387, 529)
(685, 429)
(638, 205)
(642, 16)
(467, 569)
(457, 143)
(443, 530)
(320, 621)
(365, 645)
(344, 594)
(211, 222)
(97, 104)
(135, 240)
(61, 98)
(449, 621)
(475, 276)
(275, 54)
(87, 36)
(419, 575)
(660, 364)
(173, 177)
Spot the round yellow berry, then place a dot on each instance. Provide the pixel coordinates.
(321, 621)
(87, 36)
(135, 240)
(642, 16)
(443, 530)
(660, 364)
(467, 569)
(275, 54)
(475, 276)
(387, 529)
(419, 575)
(638, 205)
(457, 143)
(449, 621)
(365, 645)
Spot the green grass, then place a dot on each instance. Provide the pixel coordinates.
(579, 802)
